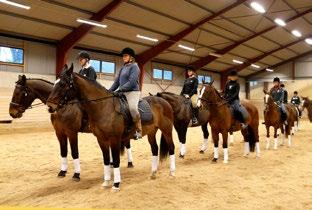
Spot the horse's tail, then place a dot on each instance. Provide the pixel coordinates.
(122, 148)
(164, 148)
(251, 139)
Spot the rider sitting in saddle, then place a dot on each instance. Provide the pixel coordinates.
(127, 82)
(285, 100)
(295, 100)
(231, 95)
(189, 91)
(277, 94)
(86, 69)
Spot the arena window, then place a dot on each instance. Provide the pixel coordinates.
(105, 67)
(201, 77)
(162, 74)
(11, 55)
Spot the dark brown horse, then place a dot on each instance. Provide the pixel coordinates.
(272, 117)
(67, 121)
(307, 104)
(222, 121)
(182, 118)
(109, 125)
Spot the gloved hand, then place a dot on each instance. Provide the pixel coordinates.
(186, 96)
(117, 93)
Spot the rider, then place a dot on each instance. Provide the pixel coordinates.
(189, 91)
(231, 95)
(127, 82)
(285, 100)
(86, 69)
(277, 94)
(295, 100)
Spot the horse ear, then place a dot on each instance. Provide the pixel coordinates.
(210, 83)
(70, 70)
(265, 91)
(203, 80)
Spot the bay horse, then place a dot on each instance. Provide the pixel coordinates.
(67, 121)
(222, 121)
(307, 104)
(108, 124)
(272, 117)
(182, 116)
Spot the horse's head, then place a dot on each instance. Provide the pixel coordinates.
(304, 102)
(63, 90)
(207, 95)
(22, 98)
(267, 96)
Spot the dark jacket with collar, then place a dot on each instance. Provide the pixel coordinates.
(190, 86)
(231, 91)
(89, 73)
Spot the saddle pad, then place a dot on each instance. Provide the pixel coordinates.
(145, 111)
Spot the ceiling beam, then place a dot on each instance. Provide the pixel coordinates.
(71, 39)
(209, 58)
(147, 55)
(279, 64)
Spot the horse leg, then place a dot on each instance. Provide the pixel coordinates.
(204, 146)
(275, 138)
(288, 134)
(115, 147)
(129, 155)
(104, 145)
(181, 130)
(62, 138)
(168, 138)
(268, 137)
(225, 147)
(73, 140)
(215, 138)
(231, 138)
(246, 142)
(256, 136)
(154, 148)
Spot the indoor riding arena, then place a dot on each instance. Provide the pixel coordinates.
(159, 104)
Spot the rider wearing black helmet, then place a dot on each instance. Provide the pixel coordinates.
(127, 82)
(277, 94)
(86, 69)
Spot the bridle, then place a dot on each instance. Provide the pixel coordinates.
(207, 102)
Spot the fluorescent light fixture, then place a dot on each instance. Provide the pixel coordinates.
(258, 7)
(215, 55)
(146, 38)
(296, 33)
(280, 22)
(255, 66)
(186, 47)
(309, 41)
(15, 4)
(91, 22)
(237, 61)
(270, 70)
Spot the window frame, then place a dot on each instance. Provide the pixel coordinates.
(11, 63)
(162, 74)
(204, 76)
(101, 66)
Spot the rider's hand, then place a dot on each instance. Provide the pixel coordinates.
(186, 96)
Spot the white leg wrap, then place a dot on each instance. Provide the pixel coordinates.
(129, 155)
(267, 143)
(154, 163)
(246, 148)
(107, 172)
(258, 149)
(215, 152)
(110, 155)
(231, 138)
(77, 165)
(182, 149)
(117, 178)
(64, 164)
(225, 155)
(275, 143)
(292, 130)
(172, 163)
(289, 140)
(204, 146)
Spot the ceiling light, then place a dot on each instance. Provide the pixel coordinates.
(146, 38)
(255, 66)
(15, 4)
(270, 70)
(237, 61)
(280, 22)
(186, 47)
(215, 55)
(91, 22)
(258, 7)
(309, 41)
(296, 33)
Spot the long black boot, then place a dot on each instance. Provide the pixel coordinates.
(194, 116)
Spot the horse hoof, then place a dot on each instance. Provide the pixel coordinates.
(214, 160)
(153, 175)
(172, 174)
(201, 151)
(130, 165)
(76, 177)
(225, 161)
(62, 174)
(111, 165)
(181, 156)
(105, 184)
(246, 155)
(116, 187)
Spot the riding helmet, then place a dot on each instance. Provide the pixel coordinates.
(233, 72)
(128, 51)
(84, 54)
(282, 85)
(190, 68)
(295, 92)
(276, 79)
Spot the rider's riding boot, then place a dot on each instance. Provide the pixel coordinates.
(244, 125)
(138, 129)
(194, 117)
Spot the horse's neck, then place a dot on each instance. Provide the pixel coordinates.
(42, 89)
(90, 91)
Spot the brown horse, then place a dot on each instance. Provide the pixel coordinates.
(272, 117)
(182, 117)
(307, 104)
(67, 121)
(109, 125)
(222, 121)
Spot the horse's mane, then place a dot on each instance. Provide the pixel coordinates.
(94, 83)
(43, 80)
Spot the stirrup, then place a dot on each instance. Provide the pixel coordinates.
(194, 120)
(137, 135)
